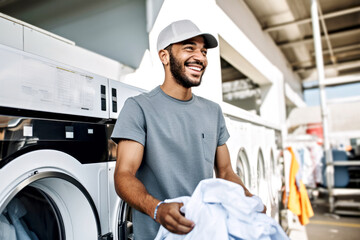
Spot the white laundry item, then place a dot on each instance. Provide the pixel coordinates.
(317, 153)
(17, 210)
(298, 158)
(308, 169)
(220, 210)
(287, 164)
(31, 234)
(7, 231)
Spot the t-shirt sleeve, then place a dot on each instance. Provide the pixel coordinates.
(223, 132)
(130, 123)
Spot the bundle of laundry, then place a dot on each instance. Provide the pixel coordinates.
(220, 210)
(7, 230)
(17, 228)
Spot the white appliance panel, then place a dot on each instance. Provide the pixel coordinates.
(56, 48)
(119, 92)
(11, 33)
(34, 83)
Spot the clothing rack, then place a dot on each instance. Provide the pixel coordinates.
(336, 204)
(336, 195)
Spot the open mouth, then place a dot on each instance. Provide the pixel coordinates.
(198, 69)
(195, 67)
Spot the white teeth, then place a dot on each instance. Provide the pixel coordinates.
(195, 68)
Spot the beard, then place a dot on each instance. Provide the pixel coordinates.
(178, 73)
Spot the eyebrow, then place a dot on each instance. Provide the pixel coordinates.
(186, 42)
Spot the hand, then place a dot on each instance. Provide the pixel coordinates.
(248, 194)
(169, 216)
(264, 211)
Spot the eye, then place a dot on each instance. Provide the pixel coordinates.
(204, 52)
(189, 47)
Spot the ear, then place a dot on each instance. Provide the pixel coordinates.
(164, 57)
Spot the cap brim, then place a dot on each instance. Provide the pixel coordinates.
(210, 40)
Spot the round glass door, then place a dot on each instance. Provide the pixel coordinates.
(242, 167)
(49, 205)
(274, 187)
(273, 181)
(125, 226)
(31, 214)
(262, 186)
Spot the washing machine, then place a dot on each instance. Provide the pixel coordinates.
(239, 144)
(275, 180)
(53, 150)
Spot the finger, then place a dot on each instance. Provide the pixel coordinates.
(183, 220)
(181, 229)
(179, 217)
(179, 222)
(175, 227)
(264, 211)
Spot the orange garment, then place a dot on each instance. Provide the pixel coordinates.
(298, 199)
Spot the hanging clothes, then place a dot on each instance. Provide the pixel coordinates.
(316, 154)
(307, 167)
(297, 200)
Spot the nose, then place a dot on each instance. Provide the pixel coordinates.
(199, 55)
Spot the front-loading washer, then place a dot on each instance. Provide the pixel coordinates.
(54, 181)
(53, 149)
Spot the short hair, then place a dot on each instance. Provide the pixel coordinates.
(168, 48)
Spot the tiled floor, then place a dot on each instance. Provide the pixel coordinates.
(325, 226)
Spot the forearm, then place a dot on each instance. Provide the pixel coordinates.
(232, 177)
(136, 195)
(223, 168)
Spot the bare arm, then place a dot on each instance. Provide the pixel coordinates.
(223, 169)
(127, 186)
(130, 189)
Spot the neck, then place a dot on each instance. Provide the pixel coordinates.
(175, 90)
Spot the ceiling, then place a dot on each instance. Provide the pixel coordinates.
(288, 22)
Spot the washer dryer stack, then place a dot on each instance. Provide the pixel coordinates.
(56, 156)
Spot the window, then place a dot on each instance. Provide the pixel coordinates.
(238, 89)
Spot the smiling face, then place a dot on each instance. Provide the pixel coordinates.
(188, 61)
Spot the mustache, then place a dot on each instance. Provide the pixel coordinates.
(195, 62)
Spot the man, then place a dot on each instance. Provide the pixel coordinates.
(170, 139)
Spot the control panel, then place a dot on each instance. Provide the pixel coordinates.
(31, 82)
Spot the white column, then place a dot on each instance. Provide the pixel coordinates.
(324, 110)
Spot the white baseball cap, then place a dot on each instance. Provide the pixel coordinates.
(182, 30)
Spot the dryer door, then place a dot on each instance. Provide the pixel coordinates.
(262, 180)
(48, 205)
(242, 168)
(120, 212)
(125, 229)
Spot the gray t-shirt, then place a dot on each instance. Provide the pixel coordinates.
(180, 140)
